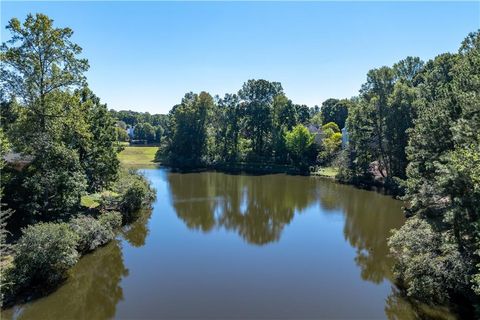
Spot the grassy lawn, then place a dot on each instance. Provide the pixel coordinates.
(89, 201)
(329, 172)
(93, 200)
(138, 157)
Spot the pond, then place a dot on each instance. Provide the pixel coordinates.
(240, 246)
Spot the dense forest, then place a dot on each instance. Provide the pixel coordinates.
(63, 192)
(414, 129)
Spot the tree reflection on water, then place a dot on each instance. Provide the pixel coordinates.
(91, 292)
(259, 207)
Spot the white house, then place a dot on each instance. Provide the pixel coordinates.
(344, 137)
(130, 132)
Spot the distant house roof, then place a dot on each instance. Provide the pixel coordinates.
(317, 131)
(313, 128)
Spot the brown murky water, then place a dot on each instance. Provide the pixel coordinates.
(239, 246)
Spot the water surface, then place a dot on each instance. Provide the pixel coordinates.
(240, 246)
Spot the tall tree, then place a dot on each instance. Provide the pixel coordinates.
(258, 96)
(98, 153)
(37, 61)
(378, 123)
(189, 120)
(227, 125)
(334, 110)
(145, 131)
(303, 113)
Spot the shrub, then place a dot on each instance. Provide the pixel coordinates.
(93, 232)
(299, 142)
(132, 200)
(53, 183)
(331, 144)
(427, 262)
(43, 255)
(110, 221)
(331, 126)
(135, 193)
(6, 280)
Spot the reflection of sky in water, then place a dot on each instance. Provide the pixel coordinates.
(243, 204)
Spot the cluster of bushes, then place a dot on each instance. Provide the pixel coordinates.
(45, 252)
(134, 192)
(93, 232)
(331, 143)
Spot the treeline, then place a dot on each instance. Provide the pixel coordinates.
(144, 126)
(414, 128)
(63, 192)
(438, 249)
(257, 125)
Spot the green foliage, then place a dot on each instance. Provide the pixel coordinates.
(316, 120)
(145, 131)
(226, 126)
(4, 213)
(132, 201)
(299, 142)
(111, 220)
(159, 132)
(303, 113)
(51, 185)
(336, 111)
(39, 63)
(429, 263)
(98, 152)
(443, 185)
(419, 125)
(67, 138)
(135, 193)
(67, 144)
(120, 124)
(246, 127)
(43, 255)
(331, 126)
(121, 134)
(189, 137)
(258, 96)
(379, 120)
(139, 121)
(331, 143)
(132, 118)
(38, 60)
(92, 232)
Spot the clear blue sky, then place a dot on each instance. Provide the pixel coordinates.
(145, 56)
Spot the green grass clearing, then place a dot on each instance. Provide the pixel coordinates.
(90, 201)
(93, 200)
(329, 172)
(138, 157)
